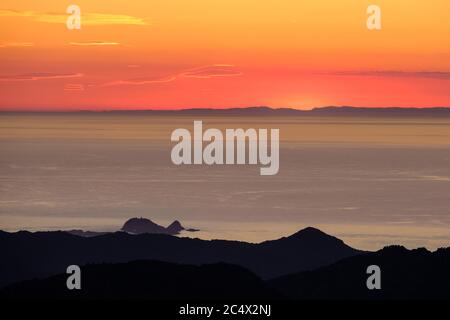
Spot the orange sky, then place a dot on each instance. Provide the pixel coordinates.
(234, 53)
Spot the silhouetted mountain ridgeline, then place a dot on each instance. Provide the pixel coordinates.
(405, 274)
(27, 255)
(149, 280)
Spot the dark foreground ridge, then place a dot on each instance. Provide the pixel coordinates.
(149, 280)
(406, 274)
(27, 255)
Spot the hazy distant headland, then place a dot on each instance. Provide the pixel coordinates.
(267, 111)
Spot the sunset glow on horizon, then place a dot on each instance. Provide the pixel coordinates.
(172, 54)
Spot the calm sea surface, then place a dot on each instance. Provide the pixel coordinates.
(370, 182)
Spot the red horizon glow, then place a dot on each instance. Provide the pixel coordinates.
(132, 55)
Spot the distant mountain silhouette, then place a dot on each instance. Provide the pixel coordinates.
(27, 255)
(381, 112)
(143, 225)
(138, 226)
(347, 111)
(149, 280)
(175, 227)
(437, 111)
(405, 274)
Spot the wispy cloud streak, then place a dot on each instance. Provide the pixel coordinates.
(204, 72)
(88, 18)
(94, 43)
(39, 76)
(16, 44)
(393, 73)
